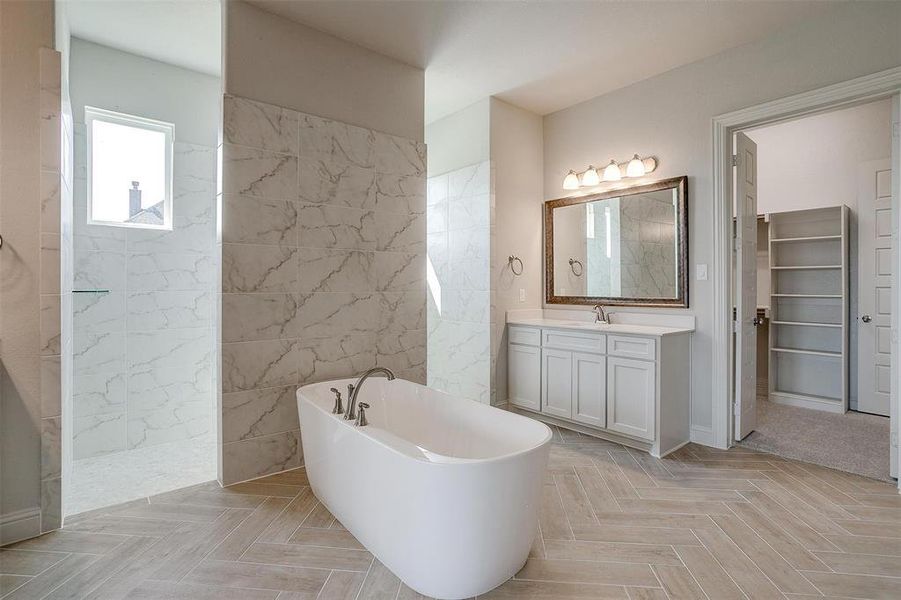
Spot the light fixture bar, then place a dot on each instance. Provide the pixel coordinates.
(614, 171)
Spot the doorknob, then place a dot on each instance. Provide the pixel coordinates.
(756, 321)
(866, 318)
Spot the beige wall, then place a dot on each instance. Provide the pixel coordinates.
(517, 158)
(460, 139)
(29, 290)
(670, 116)
(287, 64)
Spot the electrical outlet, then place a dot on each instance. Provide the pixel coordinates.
(701, 272)
(522, 294)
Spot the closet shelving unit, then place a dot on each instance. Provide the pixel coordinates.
(808, 357)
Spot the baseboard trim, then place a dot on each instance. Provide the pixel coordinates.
(604, 435)
(20, 525)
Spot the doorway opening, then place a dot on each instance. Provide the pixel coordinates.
(812, 281)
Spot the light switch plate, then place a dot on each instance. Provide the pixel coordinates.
(701, 272)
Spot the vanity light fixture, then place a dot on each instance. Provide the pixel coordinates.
(636, 167)
(612, 172)
(590, 177)
(571, 181)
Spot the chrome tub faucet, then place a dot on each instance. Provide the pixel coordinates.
(354, 390)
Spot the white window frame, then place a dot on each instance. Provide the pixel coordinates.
(92, 114)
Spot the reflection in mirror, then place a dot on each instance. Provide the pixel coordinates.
(620, 248)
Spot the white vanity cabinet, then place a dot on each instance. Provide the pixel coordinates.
(627, 387)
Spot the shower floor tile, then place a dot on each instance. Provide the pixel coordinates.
(123, 476)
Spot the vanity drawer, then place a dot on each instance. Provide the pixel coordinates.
(573, 340)
(529, 336)
(632, 347)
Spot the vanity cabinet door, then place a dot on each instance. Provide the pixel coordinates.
(557, 382)
(524, 376)
(589, 389)
(631, 391)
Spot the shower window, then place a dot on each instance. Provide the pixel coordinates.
(129, 170)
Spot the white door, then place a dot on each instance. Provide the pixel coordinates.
(631, 390)
(874, 285)
(524, 376)
(589, 388)
(745, 184)
(557, 383)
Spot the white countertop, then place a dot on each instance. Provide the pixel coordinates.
(619, 328)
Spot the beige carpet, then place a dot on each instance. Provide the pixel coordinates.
(853, 442)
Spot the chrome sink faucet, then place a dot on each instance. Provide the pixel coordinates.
(354, 390)
(599, 315)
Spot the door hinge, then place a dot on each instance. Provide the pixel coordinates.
(735, 160)
(735, 327)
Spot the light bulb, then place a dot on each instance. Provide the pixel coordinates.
(612, 172)
(571, 181)
(591, 177)
(635, 168)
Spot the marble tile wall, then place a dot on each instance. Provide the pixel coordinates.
(460, 230)
(144, 344)
(323, 270)
(648, 247)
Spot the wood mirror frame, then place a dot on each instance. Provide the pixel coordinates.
(680, 184)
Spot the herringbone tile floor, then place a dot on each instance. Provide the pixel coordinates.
(615, 523)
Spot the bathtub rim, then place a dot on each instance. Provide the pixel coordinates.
(448, 461)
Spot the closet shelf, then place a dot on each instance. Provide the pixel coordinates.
(812, 238)
(805, 267)
(810, 352)
(806, 295)
(807, 324)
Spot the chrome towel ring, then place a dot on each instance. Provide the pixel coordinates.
(512, 260)
(572, 265)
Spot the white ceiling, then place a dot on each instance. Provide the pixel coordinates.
(185, 33)
(542, 55)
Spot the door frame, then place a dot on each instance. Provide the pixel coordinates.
(884, 84)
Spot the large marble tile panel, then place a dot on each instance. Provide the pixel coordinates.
(401, 349)
(400, 193)
(253, 365)
(98, 352)
(469, 274)
(467, 244)
(99, 394)
(259, 456)
(472, 306)
(188, 234)
(260, 125)
(330, 226)
(468, 212)
(402, 310)
(193, 199)
(437, 217)
(248, 317)
(194, 162)
(173, 422)
(163, 271)
(51, 448)
(401, 232)
(250, 220)
(99, 270)
(469, 181)
(322, 359)
(437, 188)
(336, 143)
(397, 272)
(98, 435)
(152, 390)
(168, 349)
(258, 172)
(189, 309)
(326, 314)
(94, 238)
(328, 270)
(50, 263)
(50, 201)
(256, 268)
(254, 413)
(98, 312)
(323, 182)
(51, 504)
(399, 156)
(50, 327)
(51, 386)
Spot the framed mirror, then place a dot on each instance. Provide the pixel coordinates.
(624, 246)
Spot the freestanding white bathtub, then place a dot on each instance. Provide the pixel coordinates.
(443, 491)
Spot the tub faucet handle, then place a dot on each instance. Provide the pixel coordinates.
(338, 409)
(351, 401)
(361, 418)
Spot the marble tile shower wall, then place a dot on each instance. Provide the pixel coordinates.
(460, 316)
(143, 346)
(323, 269)
(648, 247)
